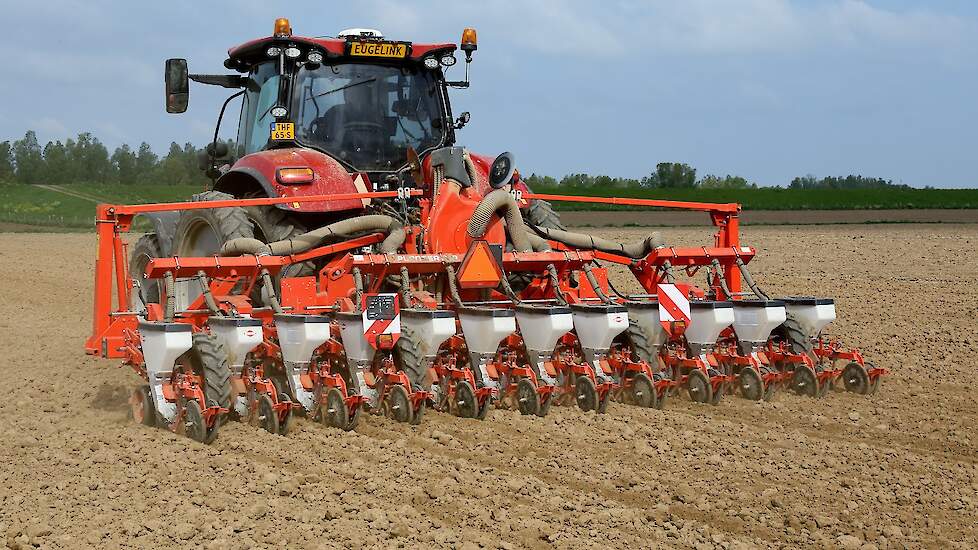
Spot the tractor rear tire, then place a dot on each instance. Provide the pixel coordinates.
(792, 332)
(541, 214)
(640, 344)
(148, 291)
(274, 224)
(408, 358)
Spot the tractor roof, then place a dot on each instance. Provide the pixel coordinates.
(242, 56)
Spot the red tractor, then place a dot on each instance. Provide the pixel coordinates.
(351, 257)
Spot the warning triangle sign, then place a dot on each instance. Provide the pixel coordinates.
(480, 268)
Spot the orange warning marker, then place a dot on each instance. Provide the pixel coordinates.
(479, 268)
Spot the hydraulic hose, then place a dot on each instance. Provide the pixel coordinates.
(484, 213)
(269, 286)
(301, 243)
(750, 280)
(205, 290)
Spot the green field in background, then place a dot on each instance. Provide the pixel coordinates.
(31, 205)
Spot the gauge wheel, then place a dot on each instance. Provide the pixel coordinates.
(527, 398)
(397, 404)
(141, 406)
(285, 423)
(465, 404)
(855, 378)
(267, 417)
(193, 422)
(334, 412)
(804, 382)
(698, 387)
(586, 393)
(642, 391)
(751, 384)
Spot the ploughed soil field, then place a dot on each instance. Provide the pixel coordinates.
(899, 469)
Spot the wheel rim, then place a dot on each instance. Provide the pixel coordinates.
(587, 395)
(855, 379)
(527, 398)
(200, 240)
(751, 385)
(194, 427)
(399, 404)
(465, 400)
(642, 391)
(335, 413)
(267, 417)
(698, 386)
(804, 382)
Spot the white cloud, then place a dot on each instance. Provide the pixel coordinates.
(50, 126)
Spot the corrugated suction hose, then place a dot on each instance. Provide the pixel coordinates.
(306, 241)
(497, 200)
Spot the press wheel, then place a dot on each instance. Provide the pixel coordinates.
(527, 398)
(698, 386)
(874, 384)
(603, 403)
(751, 384)
(267, 417)
(285, 424)
(804, 381)
(586, 393)
(334, 411)
(642, 392)
(466, 405)
(855, 378)
(397, 404)
(545, 403)
(193, 423)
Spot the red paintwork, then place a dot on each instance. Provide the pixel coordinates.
(331, 178)
(335, 46)
(450, 214)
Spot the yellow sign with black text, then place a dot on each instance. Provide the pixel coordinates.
(283, 131)
(397, 50)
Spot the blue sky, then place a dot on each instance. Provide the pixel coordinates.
(766, 89)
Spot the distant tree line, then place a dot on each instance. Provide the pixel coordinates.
(86, 160)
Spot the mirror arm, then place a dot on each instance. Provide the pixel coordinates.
(222, 80)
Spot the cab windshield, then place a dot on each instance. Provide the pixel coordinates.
(367, 115)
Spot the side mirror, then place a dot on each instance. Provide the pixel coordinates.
(177, 85)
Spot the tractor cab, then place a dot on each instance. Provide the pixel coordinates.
(359, 99)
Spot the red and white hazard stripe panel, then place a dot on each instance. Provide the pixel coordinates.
(673, 305)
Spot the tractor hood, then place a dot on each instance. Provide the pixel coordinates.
(271, 168)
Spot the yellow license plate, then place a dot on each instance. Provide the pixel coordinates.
(379, 49)
(282, 131)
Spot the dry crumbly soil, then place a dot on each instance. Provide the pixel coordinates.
(891, 471)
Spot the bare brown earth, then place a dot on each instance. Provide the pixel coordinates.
(770, 217)
(892, 471)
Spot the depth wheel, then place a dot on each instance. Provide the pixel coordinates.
(698, 386)
(465, 404)
(397, 404)
(855, 378)
(141, 406)
(804, 382)
(267, 417)
(527, 398)
(334, 412)
(751, 384)
(193, 423)
(642, 392)
(586, 393)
